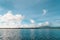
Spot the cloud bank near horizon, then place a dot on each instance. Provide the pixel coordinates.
(9, 20)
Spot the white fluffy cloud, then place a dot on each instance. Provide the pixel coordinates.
(9, 20)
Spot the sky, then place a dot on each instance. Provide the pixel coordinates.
(32, 11)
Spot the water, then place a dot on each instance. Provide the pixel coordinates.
(29, 34)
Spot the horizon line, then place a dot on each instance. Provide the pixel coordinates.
(35, 28)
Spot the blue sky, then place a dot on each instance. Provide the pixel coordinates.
(33, 9)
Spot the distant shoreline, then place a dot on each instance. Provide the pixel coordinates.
(35, 28)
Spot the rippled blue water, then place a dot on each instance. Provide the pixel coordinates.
(40, 34)
(29, 34)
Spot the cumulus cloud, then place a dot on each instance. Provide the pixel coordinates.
(44, 12)
(9, 20)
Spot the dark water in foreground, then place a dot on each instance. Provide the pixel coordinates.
(29, 34)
